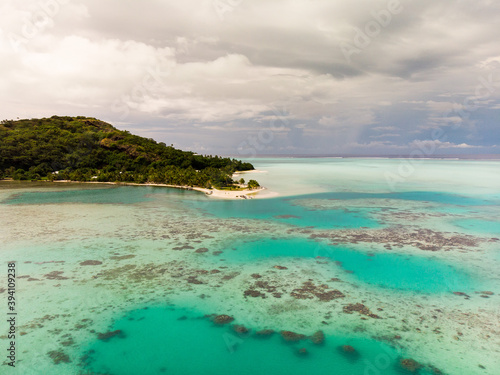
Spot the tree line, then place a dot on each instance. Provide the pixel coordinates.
(87, 149)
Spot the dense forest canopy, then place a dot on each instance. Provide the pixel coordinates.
(87, 149)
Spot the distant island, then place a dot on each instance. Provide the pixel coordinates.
(89, 150)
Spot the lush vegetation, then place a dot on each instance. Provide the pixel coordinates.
(252, 184)
(87, 149)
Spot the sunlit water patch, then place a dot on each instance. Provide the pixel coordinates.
(387, 270)
(181, 342)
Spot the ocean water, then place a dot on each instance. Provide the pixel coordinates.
(107, 195)
(393, 271)
(286, 211)
(293, 176)
(398, 263)
(481, 226)
(179, 341)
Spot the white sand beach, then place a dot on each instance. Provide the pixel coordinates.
(214, 193)
(231, 194)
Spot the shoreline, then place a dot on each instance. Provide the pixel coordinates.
(214, 193)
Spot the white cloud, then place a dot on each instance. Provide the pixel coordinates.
(431, 144)
(376, 145)
(386, 135)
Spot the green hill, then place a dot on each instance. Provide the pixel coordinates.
(87, 149)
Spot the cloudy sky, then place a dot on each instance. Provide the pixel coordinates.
(256, 77)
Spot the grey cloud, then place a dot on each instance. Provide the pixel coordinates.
(221, 77)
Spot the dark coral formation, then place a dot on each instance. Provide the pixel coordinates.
(59, 357)
(309, 290)
(290, 336)
(462, 294)
(348, 352)
(435, 370)
(330, 295)
(194, 280)
(360, 308)
(222, 319)
(68, 340)
(318, 338)
(56, 275)
(424, 239)
(230, 276)
(183, 247)
(259, 287)
(302, 352)
(90, 263)
(486, 293)
(348, 349)
(264, 333)
(110, 334)
(240, 329)
(253, 293)
(410, 365)
(281, 267)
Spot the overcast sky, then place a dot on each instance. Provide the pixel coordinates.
(255, 77)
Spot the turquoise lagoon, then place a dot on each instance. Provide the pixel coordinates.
(96, 195)
(393, 271)
(179, 341)
(155, 262)
(289, 210)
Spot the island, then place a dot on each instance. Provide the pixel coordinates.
(85, 149)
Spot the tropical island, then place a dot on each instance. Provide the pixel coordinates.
(85, 149)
